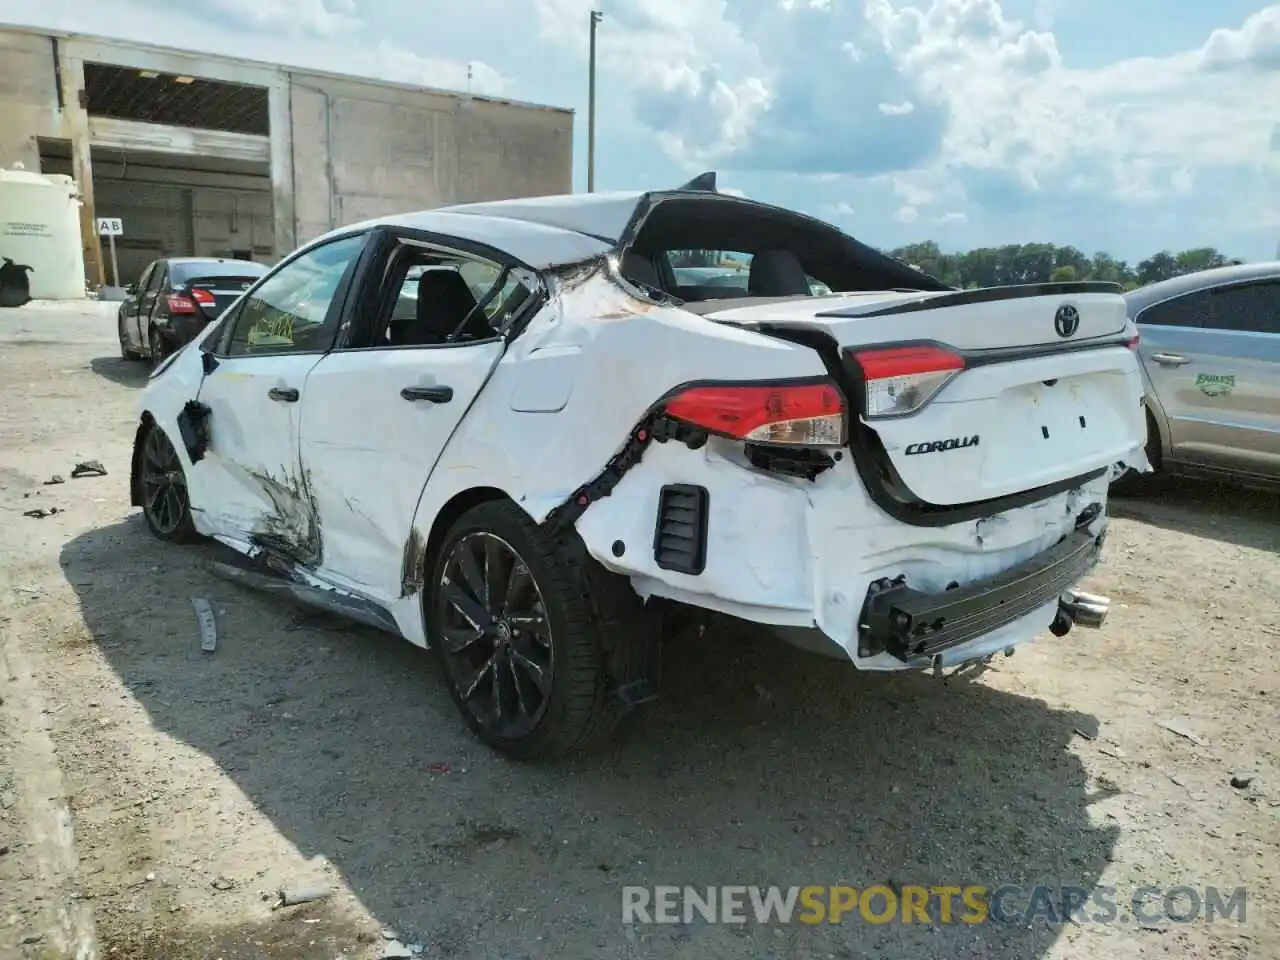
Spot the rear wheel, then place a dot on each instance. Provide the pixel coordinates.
(159, 347)
(513, 627)
(162, 483)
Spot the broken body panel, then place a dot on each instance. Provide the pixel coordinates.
(346, 486)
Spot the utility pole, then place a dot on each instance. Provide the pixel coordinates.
(591, 107)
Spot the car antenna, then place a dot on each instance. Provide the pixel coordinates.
(702, 183)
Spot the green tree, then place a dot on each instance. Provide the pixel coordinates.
(1017, 263)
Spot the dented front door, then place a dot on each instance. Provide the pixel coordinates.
(249, 485)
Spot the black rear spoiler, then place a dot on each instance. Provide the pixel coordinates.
(960, 298)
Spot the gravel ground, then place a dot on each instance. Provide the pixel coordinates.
(307, 752)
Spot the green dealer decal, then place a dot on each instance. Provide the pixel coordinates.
(1215, 385)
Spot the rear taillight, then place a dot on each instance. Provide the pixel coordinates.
(901, 380)
(809, 414)
(180, 304)
(203, 297)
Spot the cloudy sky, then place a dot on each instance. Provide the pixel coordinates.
(1128, 127)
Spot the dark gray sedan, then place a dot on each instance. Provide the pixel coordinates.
(175, 298)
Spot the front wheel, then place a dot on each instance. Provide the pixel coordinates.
(513, 629)
(166, 505)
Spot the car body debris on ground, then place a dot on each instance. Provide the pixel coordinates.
(155, 799)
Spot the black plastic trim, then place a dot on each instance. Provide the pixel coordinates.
(912, 624)
(688, 552)
(962, 298)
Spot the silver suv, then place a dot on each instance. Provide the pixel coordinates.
(1210, 352)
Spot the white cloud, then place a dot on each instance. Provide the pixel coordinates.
(327, 18)
(908, 214)
(1257, 41)
(897, 109)
(952, 216)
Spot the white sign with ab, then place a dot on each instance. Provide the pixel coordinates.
(112, 227)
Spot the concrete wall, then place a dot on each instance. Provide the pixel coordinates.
(373, 149)
(28, 98)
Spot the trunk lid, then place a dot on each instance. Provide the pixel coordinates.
(1042, 387)
(219, 292)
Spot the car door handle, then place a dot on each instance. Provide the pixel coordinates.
(1170, 359)
(431, 394)
(285, 394)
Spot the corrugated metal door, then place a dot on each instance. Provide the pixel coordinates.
(157, 221)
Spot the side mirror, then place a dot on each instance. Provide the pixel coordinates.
(131, 287)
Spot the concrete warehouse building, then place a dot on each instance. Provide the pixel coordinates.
(204, 155)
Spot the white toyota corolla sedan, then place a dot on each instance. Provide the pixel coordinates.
(507, 431)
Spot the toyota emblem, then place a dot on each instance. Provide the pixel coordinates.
(1067, 320)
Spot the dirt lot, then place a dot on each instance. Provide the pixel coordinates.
(306, 752)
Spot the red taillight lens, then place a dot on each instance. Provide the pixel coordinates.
(203, 297)
(181, 304)
(811, 414)
(901, 380)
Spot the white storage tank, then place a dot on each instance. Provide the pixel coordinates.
(40, 229)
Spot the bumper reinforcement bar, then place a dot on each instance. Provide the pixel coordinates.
(913, 625)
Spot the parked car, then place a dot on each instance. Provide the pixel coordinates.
(175, 298)
(531, 481)
(1211, 364)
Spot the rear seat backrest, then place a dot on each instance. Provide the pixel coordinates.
(777, 273)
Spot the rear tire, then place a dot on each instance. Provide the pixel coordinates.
(517, 634)
(159, 347)
(162, 488)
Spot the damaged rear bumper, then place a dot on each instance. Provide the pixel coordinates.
(913, 624)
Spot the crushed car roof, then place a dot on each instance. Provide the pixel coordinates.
(601, 215)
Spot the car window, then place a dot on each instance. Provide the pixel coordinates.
(720, 268)
(290, 311)
(1189, 310)
(237, 270)
(447, 312)
(157, 274)
(1252, 308)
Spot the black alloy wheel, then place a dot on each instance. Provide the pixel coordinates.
(495, 636)
(166, 506)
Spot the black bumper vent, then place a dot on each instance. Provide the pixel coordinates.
(680, 541)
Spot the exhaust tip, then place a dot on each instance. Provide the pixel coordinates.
(1084, 609)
